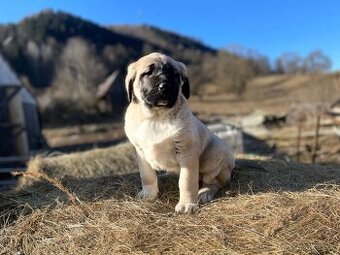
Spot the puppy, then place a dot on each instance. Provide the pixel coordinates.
(167, 136)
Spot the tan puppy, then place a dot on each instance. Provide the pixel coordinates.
(167, 136)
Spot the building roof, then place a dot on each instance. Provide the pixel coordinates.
(27, 98)
(336, 104)
(7, 76)
(105, 87)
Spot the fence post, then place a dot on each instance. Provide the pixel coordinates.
(316, 139)
(298, 145)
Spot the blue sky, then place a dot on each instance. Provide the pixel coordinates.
(271, 27)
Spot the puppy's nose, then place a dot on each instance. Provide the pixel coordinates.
(162, 87)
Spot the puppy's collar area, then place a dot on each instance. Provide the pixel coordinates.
(160, 104)
(163, 111)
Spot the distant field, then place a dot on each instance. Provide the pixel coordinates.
(272, 94)
(280, 95)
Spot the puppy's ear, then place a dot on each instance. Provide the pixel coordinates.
(130, 78)
(186, 85)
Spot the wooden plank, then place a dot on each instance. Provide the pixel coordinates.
(9, 125)
(254, 119)
(17, 116)
(12, 169)
(325, 131)
(14, 159)
(316, 140)
(8, 182)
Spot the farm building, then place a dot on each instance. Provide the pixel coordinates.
(111, 94)
(335, 108)
(334, 112)
(20, 129)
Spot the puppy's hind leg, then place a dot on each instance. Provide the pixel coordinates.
(211, 185)
(207, 192)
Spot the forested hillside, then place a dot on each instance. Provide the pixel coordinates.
(63, 59)
(36, 48)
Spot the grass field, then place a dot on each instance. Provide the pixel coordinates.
(83, 203)
(273, 94)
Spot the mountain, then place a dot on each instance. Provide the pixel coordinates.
(69, 57)
(62, 26)
(166, 40)
(34, 45)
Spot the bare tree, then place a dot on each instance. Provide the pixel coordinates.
(258, 62)
(317, 62)
(41, 61)
(289, 63)
(292, 63)
(232, 72)
(79, 71)
(116, 56)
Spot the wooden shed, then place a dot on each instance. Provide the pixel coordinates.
(20, 129)
(111, 94)
(335, 108)
(334, 112)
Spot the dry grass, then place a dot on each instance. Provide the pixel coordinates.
(81, 134)
(98, 162)
(272, 94)
(271, 207)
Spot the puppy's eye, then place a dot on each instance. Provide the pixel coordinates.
(148, 73)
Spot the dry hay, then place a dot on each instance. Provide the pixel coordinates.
(119, 159)
(271, 207)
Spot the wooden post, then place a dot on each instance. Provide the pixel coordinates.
(298, 145)
(316, 140)
(17, 116)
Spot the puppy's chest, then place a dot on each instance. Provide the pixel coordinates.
(157, 142)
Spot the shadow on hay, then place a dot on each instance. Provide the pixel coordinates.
(249, 177)
(42, 194)
(87, 146)
(256, 146)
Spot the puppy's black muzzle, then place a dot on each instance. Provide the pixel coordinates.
(157, 96)
(163, 87)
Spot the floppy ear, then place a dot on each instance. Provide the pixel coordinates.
(130, 78)
(185, 86)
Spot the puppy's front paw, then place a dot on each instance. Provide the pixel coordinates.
(186, 208)
(147, 194)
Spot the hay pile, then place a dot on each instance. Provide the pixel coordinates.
(271, 207)
(119, 159)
